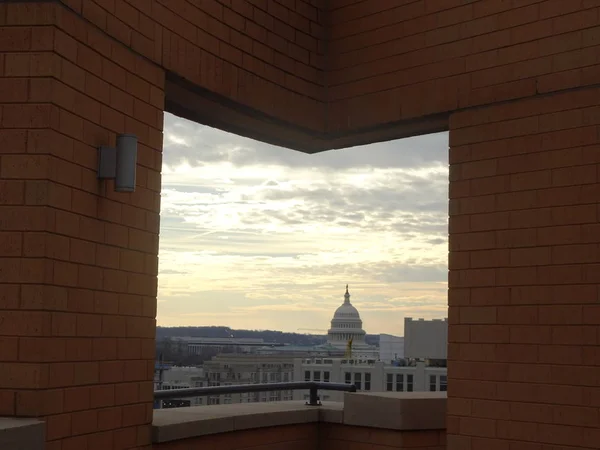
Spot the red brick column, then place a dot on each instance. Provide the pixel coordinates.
(524, 271)
(78, 261)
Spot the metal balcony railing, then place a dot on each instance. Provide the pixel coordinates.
(311, 386)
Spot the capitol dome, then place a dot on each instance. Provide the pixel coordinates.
(346, 311)
(346, 325)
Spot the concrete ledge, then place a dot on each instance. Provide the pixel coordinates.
(181, 423)
(396, 410)
(389, 410)
(332, 412)
(22, 434)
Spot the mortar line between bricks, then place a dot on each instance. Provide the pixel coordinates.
(536, 96)
(524, 154)
(328, 136)
(459, 109)
(457, 40)
(467, 72)
(83, 92)
(63, 209)
(256, 6)
(192, 43)
(86, 71)
(95, 124)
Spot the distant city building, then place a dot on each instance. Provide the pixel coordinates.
(391, 348)
(195, 345)
(426, 339)
(168, 377)
(415, 362)
(232, 369)
(183, 378)
(301, 350)
(226, 370)
(368, 375)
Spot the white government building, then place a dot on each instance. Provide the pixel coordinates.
(369, 370)
(346, 332)
(399, 364)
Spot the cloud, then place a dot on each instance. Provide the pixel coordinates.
(255, 232)
(285, 307)
(387, 200)
(172, 272)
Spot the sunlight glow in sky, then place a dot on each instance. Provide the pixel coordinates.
(261, 237)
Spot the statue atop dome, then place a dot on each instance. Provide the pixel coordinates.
(347, 296)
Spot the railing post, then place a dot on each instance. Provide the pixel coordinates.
(314, 398)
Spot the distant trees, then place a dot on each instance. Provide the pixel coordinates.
(225, 332)
(175, 352)
(280, 337)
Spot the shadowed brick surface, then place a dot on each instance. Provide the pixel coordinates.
(515, 82)
(340, 437)
(404, 60)
(293, 437)
(313, 436)
(265, 54)
(524, 337)
(78, 262)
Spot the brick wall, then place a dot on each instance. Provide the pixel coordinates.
(409, 59)
(78, 262)
(524, 351)
(265, 54)
(342, 437)
(313, 436)
(318, 67)
(524, 360)
(289, 437)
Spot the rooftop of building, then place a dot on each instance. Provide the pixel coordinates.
(361, 419)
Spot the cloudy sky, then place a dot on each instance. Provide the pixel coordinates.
(262, 237)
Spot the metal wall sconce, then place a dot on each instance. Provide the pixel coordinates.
(119, 163)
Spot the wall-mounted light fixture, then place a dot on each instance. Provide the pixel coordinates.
(119, 163)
